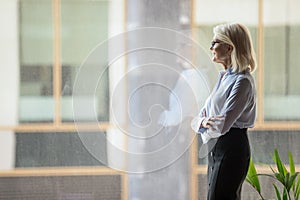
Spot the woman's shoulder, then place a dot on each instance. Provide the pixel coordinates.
(246, 80)
(245, 75)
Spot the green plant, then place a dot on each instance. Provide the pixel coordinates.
(252, 178)
(288, 179)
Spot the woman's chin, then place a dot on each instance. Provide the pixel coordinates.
(214, 59)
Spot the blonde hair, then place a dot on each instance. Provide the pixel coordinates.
(239, 37)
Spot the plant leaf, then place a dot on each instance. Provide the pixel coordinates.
(268, 175)
(280, 178)
(286, 180)
(292, 165)
(284, 195)
(281, 168)
(277, 192)
(252, 177)
(297, 190)
(291, 181)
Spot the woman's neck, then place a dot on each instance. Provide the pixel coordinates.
(227, 66)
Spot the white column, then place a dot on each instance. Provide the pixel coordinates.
(116, 139)
(9, 80)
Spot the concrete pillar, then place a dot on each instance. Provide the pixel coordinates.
(151, 73)
(9, 80)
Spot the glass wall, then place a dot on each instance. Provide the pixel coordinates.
(57, 49)
(48, 159)
(84, 26)
(36, 61)
(79, 35)
(275, 32)
(54, 41)
(210, 13)
(281, 60)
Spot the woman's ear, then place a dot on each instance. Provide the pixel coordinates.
(230, 48)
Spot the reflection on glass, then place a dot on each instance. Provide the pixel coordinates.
(281, 60)
(84, 25)
(36, 59)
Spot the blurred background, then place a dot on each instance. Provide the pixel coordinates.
(45, 44)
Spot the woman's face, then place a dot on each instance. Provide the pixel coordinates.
(220, 52)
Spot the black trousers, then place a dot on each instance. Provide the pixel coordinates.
(228, 164)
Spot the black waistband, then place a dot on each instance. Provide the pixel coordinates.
(233, 139)
(238, 130)
(241, 129)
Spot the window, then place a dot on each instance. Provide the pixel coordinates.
(84, 25)
(36, 61)
(281, 63)
(275, 30)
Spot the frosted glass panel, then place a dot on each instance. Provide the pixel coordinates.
(84, 27)
(36, 32)
(281, 60)
(214, 11)
(36, 59)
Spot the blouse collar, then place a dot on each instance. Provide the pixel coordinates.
(229, 70)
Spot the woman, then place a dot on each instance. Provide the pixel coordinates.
(229, 111)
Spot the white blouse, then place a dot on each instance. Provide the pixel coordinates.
(233, 98)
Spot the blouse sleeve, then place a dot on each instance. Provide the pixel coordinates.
(234, 106)
(196, 122)
(204, 112)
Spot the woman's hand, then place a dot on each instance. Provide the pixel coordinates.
(211, 122)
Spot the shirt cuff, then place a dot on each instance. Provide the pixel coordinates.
(196, 123)
(209, 134)
(202, 130)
